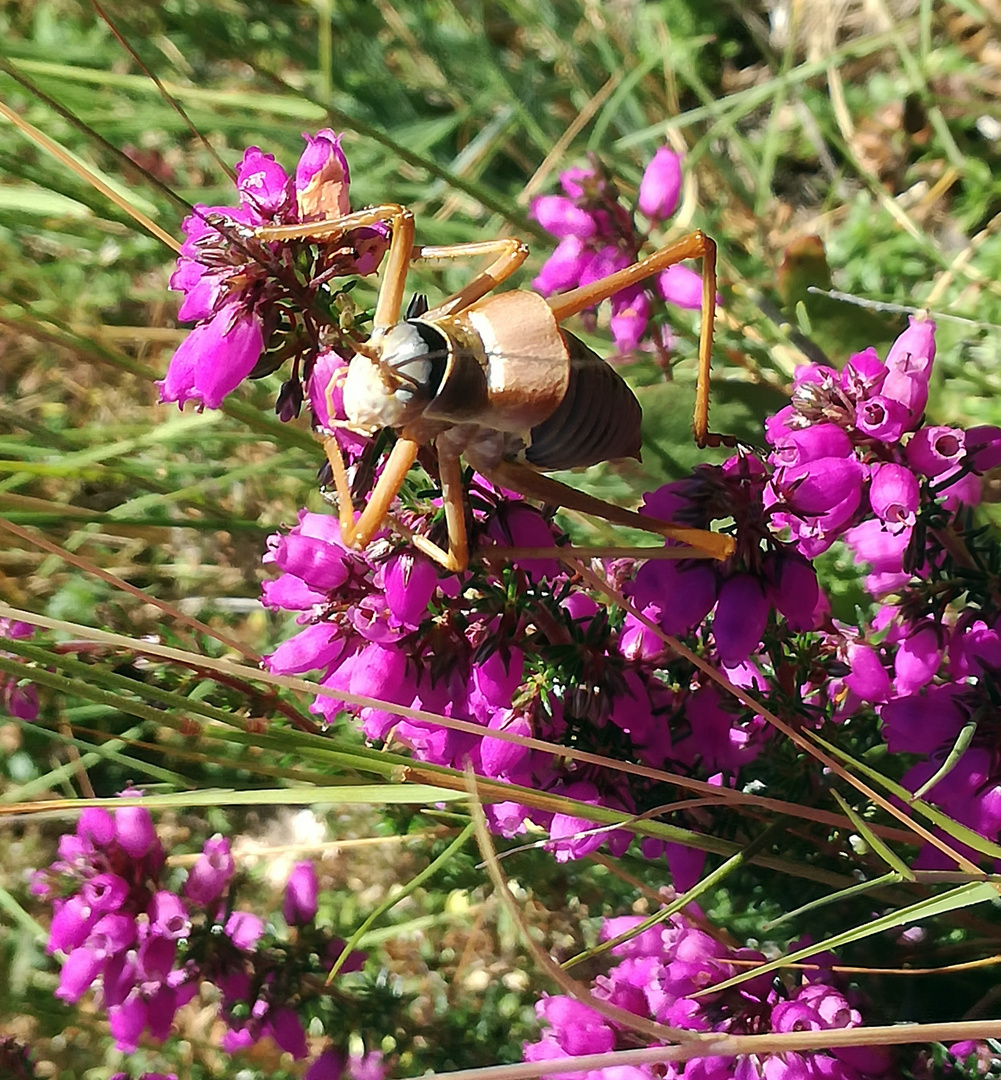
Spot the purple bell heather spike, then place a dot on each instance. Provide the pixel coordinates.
(983, 444)
(264, 186)
(913, 353)
(134, 831)
(212, 872)
(564, 268)
(660, 187)
(918, 658)
(314, 649)
(868, 678)
(301, 895)
(630, 315)
(681, 286)
(563, 217)
(894, 494)
(322, 177)
(740, 618)
(934, 450)
(214, 358)
(863, 375)
(883, 418)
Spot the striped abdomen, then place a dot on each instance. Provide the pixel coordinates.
(597, 420)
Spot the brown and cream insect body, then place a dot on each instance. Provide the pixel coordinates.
(495, 380)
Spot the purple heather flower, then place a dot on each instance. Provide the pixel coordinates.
(322, 177)
(168, 917)
(211, 873)
(565, 267)
(563, 217)
(134, 831)
(740, 618)
(660, 187)
(918, 658)
(801, 445)
(868, 678)
(884, 417)
(684, 591)
(214, 358)
(410, 581)
(894, 494)
(932, 451)
(983, 444)
(921, 723)
(864, 374)
(264, 186)
(330, 1065)
(681, 286)
(244, 929)
(821, 485)
(104, 892)
(793, 588)
(913, 353)
(630, 315)
(301, 895)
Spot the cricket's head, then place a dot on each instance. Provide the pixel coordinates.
(393, 380)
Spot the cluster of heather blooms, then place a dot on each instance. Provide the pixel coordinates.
(519, 648)
(18, 696)
(598, 236)
(667, 973)
(149, 947)
(257, 303)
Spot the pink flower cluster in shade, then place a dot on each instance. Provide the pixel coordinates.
(598, 236)
(236, 288)
(658, 974)
(148, 948)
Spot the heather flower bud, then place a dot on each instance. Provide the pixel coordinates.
(79, 972)
(322, 177)
(168, 917)
(681, 286)
(934, 450)
(868, 677)
(984, 446)
(563, 269)
(793, 588)
(211, 873)
(913, 353)
(134, 830)
(319, 564)
(894, 494)
(409, 582)
(918, 658)
(820, 485)
(289, 400)
(883, 418)
(630, 315)
(563, 217)
(920, 723)
(314, 649)
(863, 375)
(71, 924)
(911, 391)
(740, 618)
(301, 895)
(263, 184)
(330, 1065)
(105, 892)
(286, 1029)
(244, 929)
(801, 445)
(660, 187)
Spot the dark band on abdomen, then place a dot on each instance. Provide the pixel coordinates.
(598, 419)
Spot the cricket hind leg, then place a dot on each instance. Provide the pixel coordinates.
(525, 480)
(694, 246)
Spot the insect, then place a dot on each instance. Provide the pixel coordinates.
(493, 378)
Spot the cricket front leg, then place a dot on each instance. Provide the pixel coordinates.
(524, 479)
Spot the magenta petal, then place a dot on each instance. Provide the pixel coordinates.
(320, 564)
(286, 1029)
(302, 895)
(740, 618)
(894, 494)
(682, 286)
(934, 450)
(913, 353)
(211, 873)
(134, 830)
(265, 188)
(884, 416)
(312, 649)
(918, 658)
(562, 217)
(79, 972)
(684, 592)
(868, 677)
(214, 358)
(244, 929)
(322, 177)
(630, 315)
(409, 581)
(660, 187)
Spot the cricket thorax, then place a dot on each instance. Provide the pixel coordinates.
(394, 389)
